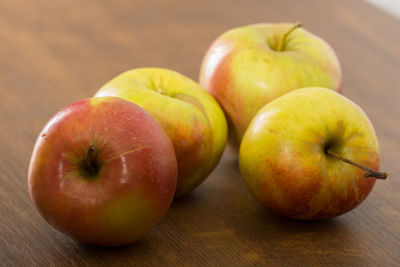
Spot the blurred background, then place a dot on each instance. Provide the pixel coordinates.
(390, 6)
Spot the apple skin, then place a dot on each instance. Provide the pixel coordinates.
(283, 161)
(133, 186)
(243, 70)
(191, 117)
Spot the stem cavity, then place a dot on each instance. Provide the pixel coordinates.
(90, 160)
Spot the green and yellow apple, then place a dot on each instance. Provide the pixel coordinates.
(291, 155)
(247, 67)
(103, 171)
(190, 116)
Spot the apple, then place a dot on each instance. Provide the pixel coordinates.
(247, 67)
(191, 117)
(297, 155)
(103, 171)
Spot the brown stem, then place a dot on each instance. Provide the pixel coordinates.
(90, 163)
(368, 171)
(283, 40)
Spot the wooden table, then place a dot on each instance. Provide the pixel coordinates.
(55, 52)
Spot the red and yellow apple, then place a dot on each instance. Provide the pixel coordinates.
(103, 171)
(190, 116)
(247, 67)
(289, 156)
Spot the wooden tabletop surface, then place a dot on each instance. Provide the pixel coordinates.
(53, 53)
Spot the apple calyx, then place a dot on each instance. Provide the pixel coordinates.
(282, 43)
(91, 163)
(368, 171)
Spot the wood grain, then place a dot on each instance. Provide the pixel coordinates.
(55, 52)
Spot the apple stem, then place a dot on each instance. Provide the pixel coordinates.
(368, 171)
(90, 160)
(283, 40)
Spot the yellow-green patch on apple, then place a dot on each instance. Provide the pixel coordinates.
(191, 117)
